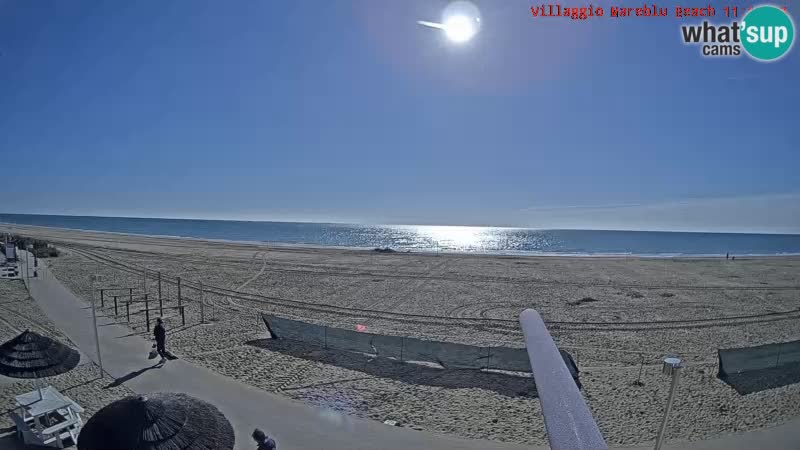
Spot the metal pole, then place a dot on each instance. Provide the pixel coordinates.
(115, 306)
(567, 418)
(675, 369)
(641, 366)
(102, 298)
(179, 291)
(97, 339)
(96, 334)
(160, 306)
(183, 316)
(202, 309)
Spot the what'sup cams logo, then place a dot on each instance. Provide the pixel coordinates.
(766, 34)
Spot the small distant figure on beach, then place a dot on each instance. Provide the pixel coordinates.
(160, 334)
(727, 255)
(264, 442)
(733, 258)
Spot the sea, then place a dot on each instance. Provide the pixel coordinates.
(425, 238)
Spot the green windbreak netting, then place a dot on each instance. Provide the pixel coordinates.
(754, 369)
(447, 354)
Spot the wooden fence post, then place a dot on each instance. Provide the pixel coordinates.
(147, 312)
(202, 305)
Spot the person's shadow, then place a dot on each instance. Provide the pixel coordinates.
(117, 382)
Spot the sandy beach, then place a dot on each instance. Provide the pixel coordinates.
(617, 316)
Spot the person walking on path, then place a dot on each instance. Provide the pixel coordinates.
(264, 442)
(160, 334)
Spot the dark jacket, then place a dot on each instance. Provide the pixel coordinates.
(268, 444)
(160, 333)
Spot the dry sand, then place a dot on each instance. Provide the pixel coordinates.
(381, 287)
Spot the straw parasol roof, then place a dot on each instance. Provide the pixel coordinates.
(160, 421)
(31, 355)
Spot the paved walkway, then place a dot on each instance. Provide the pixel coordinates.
(293, 424)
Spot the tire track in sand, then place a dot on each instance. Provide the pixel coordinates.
(249, 280)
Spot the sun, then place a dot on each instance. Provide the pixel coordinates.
(461, 21)
(459, 28)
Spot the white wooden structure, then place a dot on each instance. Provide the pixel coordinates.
(47, 420)
(10, 252)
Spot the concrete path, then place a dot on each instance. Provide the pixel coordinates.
(293, 424)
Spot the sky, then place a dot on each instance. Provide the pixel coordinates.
(350, 111)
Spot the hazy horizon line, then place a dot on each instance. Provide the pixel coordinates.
(666, 202)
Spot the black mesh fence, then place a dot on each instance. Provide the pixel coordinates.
(754, 369)
(447, 354)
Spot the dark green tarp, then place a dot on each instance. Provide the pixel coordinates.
(448, 354)
(754, 369)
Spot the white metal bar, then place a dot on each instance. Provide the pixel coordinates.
(567, 418)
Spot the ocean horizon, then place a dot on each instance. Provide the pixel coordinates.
(435, 238)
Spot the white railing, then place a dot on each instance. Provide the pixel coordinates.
(567, 418)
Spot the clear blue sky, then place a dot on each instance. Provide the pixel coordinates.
(349, 111)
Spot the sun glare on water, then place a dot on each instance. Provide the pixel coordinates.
(453, 237)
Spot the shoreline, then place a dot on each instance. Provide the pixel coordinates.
(499, 253)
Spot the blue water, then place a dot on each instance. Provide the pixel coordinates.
(437, 238)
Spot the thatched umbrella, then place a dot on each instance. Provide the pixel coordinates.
(160, 421)
(31, 355)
